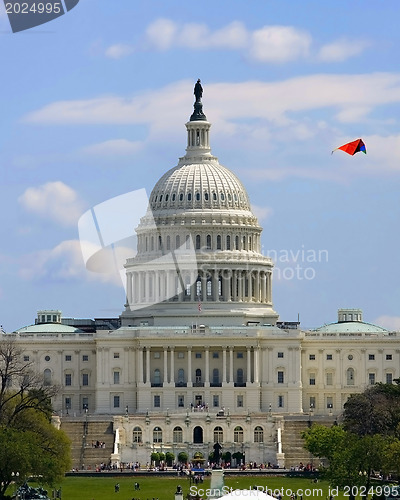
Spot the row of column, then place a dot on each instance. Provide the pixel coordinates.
(225, 285)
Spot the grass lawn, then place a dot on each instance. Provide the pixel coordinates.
(163, 488)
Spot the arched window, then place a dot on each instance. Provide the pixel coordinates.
(228, 242)
(350, 376)
(146, 244)
(168, 242)
(47, 377)
(215, 376)
(189, 196)
(258, 434)
(137, 435)
(238, 434)
(208, 241)
(209, 287)
(177, 435)
(198, 375)
(214, 196)
(161, 196)
(236, 242)
(244, 243)
(250, 243)
(239, 376)
(181, 376)
(219, 243)
(166, 197)
(157, 376)
(173, 196)
(157, 435)
(206, 195)
(159, 242)
(198, 242)
(177, 241)
(218, 435)
(222, 196)
(197, 435)
(197, 196)
(181, 197)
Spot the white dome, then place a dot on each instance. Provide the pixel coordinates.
(199, 185)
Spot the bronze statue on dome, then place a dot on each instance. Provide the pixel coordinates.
(198, 90)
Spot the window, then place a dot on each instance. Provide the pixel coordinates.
(157, 401)
(371, 357)
(47, 377)
(350, 376)
(198, 376)
(181, 376)
(85, 357)
(116, 377)
(312, 402)
(85, 403)
(239, 355)
(181, 355)
(208, 240)
(198, 242)
(116, 401)
(239, 401)
(198, 355)
(329, 378)
(389, 378)
(67, 403)
(206, 195)
(215, 376)
(47, 358)
(215, 355)
(168, 242)
(215, 401)
(329, 402)
(312, 378)
(157, 355)
(85, 379)
(311, 357)
(219, 243)
(197, 196)
(388, 357)
(228, 242)
(137, 435)
(26, 358)
(280, 354)
(177, 241)
(280, 377)
(187, 242)
(157, 376)
(157, 435)
(218, 435)
(371, 378)
(68, 357)
(68, 379)
(177, 435)
(329, 357)
(238, 434)
(280, 401)
(239, 376)
(181, 401)
(258, 434)
(116, 355)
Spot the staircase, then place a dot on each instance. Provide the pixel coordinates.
(84, 436)
(293, 443)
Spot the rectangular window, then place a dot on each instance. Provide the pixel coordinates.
(198, 355)
(85, 403)
(157, 401)
(329, 402)
(371, 357)
(329, 378)
(181, 401)
(312, 378)
(239, 355)
(116, 401)
(239, 401)
(26, 358)
(116, 355)
(215, 355)
(329, 357)
(280, 401)
(157, 355)
(85, 379)
(85, 357)
(116, 377)
(215, 401)
(67, 403)
(68, 379)
(371, 378)
(388, 357)
(68, 357)
(389, 378)
(280, 377)
(311, 357)
(312, 402)
(181, 355)
(280, 354)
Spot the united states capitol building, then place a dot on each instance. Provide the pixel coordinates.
(199, 355)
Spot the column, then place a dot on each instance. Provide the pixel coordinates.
(248, 366)
(148, 378)
(224, 366)
(140, 278)
(207, 374)
(140, 364)
(258, 291)
(234, 285)
(193, 297)
(203, 286)
(165, 366)
(240, 286)
(172, 376)
(231, 379)
(189, 368)
(256, 354)
(250, 286)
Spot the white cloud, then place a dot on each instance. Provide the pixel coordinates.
(53, 200)
(262, 213)
(161, 33)
(388, 322)
(63, 263)
(279, 44)
(342, 49)
(119, 147)
(118, 51)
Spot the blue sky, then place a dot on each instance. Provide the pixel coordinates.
(93, 105)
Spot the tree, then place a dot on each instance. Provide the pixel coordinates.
(183, 457)
(29, 443)
(169, 458)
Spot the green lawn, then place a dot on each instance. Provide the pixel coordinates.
(163, 488)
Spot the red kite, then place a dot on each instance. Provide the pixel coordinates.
(353, 147)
